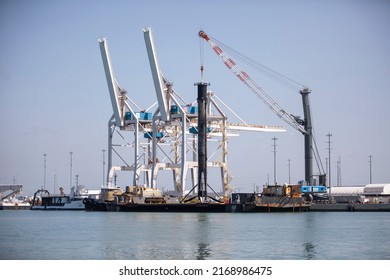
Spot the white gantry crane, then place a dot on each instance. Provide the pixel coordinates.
(123, 120)
(168, 126)
(168, 138)
(174, 121)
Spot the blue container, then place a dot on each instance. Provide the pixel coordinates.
(192, 110)
(128, 116)
(305, 189)
(194, 130)
(319, 189)
(150, 135)
(148, 116)
(140, 115)
(145, 116)
(174, 109)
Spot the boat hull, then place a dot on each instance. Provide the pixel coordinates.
(14, 206)
(284, 208)
(72, 205)
(96, 205)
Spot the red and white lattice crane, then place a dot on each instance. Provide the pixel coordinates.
(253, 86)
(304, 126)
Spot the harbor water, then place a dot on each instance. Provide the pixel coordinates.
(69, 235)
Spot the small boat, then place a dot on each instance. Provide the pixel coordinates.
(281, 198)
(13, 200)
(15, 203)
(43, 200)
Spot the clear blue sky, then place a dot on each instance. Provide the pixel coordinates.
(54, 97)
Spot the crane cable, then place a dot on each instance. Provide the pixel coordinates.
(267, 71)
(282, 79)
(316, 153)
(252, 85)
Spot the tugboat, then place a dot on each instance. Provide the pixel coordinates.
(280, 198)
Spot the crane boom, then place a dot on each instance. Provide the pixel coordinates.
(304, 126)
(113, 87)
(253, 86)
(158, 79)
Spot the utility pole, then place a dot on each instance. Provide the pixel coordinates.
(274, 139)
(327, 172)
(330, 178)
(370, 161)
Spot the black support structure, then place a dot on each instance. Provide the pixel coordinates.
(308, 137)
(202, 140)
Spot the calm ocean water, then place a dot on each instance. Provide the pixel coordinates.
(63, 235)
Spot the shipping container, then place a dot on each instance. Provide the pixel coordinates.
(140, 115)
(317, 189)
(188, 109)
(194, 130)
(128, 116)
(149, 135)
(192, 110)
(174, 109)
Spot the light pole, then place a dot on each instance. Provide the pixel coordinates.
(44, 171)
(339, 172)
(289, 167)
(71, 166)
(370, 156)
(274, 139)
(104, 166)
(330, 178)
(55, 183)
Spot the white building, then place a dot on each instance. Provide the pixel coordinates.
(371, 193)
